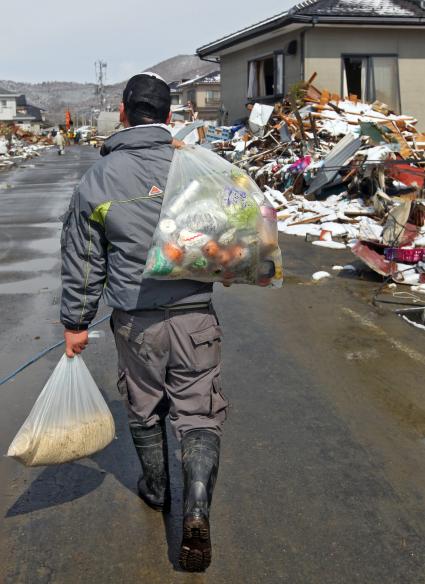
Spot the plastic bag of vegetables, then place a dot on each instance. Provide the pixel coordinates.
(215, 225)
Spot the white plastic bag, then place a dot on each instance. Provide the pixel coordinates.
(215, 225)
(69, 420)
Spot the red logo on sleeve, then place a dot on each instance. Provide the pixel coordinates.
(155, 191)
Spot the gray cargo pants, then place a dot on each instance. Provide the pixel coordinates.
(169, 362)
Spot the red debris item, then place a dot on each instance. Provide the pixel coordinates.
(372, 254)
(403, 255)
(408, 236)
(411, 176)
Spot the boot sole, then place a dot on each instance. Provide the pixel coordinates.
(195, 553)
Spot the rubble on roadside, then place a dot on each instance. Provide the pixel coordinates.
(340, 173)
(17, 145)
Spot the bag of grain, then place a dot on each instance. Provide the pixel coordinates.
(69, 420)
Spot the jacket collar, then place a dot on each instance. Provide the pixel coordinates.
(137, 137)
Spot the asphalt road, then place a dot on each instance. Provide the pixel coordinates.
(322, 477)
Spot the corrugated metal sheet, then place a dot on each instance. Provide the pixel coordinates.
(338, 156)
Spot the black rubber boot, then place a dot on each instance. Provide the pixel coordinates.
(200, 457)
(151, 447)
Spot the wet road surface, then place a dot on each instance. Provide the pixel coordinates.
(322, 476)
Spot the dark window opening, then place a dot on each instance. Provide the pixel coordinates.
(268, 76)
(265, 76)
(371, 78)
(353, 73)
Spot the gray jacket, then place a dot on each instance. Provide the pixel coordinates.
(108, 230)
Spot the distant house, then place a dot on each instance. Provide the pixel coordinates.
(29, 117)
(108, 123)
(15, 109)
(176, 94)
(374, 49)
(7, 105)
(203, 92)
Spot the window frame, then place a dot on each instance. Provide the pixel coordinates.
(370, 82)
(274, 56)
(212, 101)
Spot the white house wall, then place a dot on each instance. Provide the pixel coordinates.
(324, 47)
(234, 71)
(7, 111)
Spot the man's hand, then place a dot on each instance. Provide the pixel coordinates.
(75, 342)
(178, 144)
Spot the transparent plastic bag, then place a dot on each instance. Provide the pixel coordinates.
(215, 225)
(69, 420)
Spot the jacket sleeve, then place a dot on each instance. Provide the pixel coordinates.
(84, 260)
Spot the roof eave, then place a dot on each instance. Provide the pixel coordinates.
(369, 20)
(216, 47)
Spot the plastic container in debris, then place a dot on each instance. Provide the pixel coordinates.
(215, 225)
(400, 254)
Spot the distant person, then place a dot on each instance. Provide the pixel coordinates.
(167, 333)
(77, 137)
(60, 142)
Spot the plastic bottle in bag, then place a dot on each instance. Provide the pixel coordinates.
(215, 225)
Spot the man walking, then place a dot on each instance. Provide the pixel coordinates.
(167, 334)
(60, 142)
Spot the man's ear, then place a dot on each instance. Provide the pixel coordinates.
(123, 115)
(168, 120)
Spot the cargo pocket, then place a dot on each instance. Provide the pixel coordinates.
(127, 329)
(66, 217)
(206, 346)
(122, 384)
(219, 403)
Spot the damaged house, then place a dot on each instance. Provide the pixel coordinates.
(374, 49)
(203, 93)
(15, 109)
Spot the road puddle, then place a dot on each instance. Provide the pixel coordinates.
(48, 245)
(36, 265)
(42, 283)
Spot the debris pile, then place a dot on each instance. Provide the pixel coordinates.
(340, 173)
(17, 145)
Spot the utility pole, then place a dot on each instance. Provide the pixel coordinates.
(100, 71)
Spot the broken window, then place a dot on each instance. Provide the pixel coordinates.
(212, 97)
(385, 81)
(191, 96)
(356, 77)
(266, 76)
(372, 78)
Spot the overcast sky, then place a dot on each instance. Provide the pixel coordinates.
(51, 40)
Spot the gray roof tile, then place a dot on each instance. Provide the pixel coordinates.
(387, 8)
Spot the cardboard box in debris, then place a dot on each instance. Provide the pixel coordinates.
(340, 173)
(17, 144)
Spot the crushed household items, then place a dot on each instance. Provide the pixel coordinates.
(17, 145)
(340, 173)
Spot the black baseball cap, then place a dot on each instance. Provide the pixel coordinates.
(147, 94)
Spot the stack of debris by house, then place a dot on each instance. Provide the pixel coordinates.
(17, 145)
(340, 173)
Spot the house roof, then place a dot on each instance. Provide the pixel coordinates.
(395, 12)
(4, 91)
(29, 111)
(388, 8)
(213, 77)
